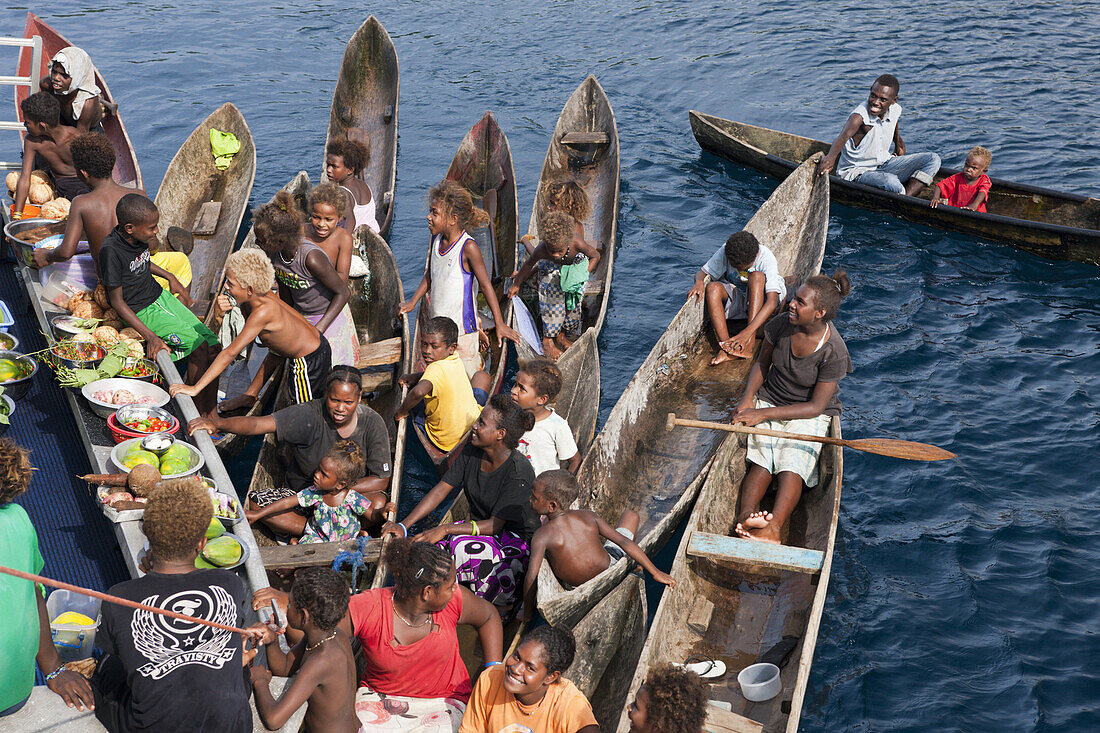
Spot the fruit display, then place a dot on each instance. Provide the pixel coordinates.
(176, 460)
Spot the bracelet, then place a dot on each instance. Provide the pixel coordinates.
(403, 528)
(62, 668)
(17, 214)
(491, 664)
(476, 530)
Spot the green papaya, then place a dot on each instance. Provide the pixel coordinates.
(171, 467)
(141, 456)
(203, 564)
(215, 529)
(222, 551)
(178, 452)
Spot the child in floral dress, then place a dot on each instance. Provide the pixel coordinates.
(332, 508)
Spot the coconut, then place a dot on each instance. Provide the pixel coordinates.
(41, 176)
(114, 323)
(129, 333)
(87, 310)
(143, 479)
(100, 297)
(136, 350)
(77, 298)
(105, 336)
(40, 193)
(12, 180)
(56, 209)
(83, 338)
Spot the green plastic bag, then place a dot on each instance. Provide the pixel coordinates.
(223, 146)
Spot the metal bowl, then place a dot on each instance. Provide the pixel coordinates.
(244, 552)
(156, 436)
(93, 353)
(197, 461)
(15, 231)
(140, 412)
(8, 342)
(106, 409)
(10, 404)
(18, 388)
(154, 373)
(64, 326)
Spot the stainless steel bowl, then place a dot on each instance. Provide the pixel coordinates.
(18, 388)
(140, 412)
(94, 355)
(158, 436)
(15, 231)
(8, 341)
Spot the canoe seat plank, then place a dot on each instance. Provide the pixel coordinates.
(585, 138)
(206, 221)
(593, 287)
(316, 554)
(754, 552)
(723, 721)
(375, 381)
(379, 353)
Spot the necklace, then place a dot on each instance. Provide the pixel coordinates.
(284, 259)
(407, 622)
(310, 648)
(533, 710)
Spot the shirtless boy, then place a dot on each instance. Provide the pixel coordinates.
(249, 279)
(321, 663)
(570, 539)
(741, 261)
(863, 146)
(47, 137)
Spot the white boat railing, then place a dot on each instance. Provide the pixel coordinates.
(32, 80)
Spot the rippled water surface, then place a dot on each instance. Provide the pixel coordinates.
(964, 594)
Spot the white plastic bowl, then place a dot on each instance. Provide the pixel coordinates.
(760, 682)
(197, 461)
(137, 386)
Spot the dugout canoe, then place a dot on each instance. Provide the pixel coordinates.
(728, 607)
(126, 172)
(634, 463)
(482, 163)
(381, 390)
(364, 107)
(1045, 222)
(584, 147)
(234, 383)
(190, 183)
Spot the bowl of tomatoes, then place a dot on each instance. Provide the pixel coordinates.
(138, 421)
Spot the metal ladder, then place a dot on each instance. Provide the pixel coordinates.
(35, 44)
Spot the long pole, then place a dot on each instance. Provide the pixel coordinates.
(120, 601)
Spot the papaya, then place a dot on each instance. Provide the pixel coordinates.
(178, 452)
(171, 467)
(136, 458)
(215, 529)
(222, 551)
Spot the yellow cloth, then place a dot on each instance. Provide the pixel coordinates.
(493, 709)
(223, 146)
(175, 263)
(450, 408)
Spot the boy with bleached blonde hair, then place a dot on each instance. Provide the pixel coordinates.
(249, 279)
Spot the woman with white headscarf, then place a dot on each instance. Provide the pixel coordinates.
(72, 80)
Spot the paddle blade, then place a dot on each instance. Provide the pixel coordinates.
(906, 449)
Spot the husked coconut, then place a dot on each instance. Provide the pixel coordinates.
(83, 338)
(129, 333)
(106, 336)
(143, 479)
(101, 299)
(87, 309)
(56, 209)
(39, 192)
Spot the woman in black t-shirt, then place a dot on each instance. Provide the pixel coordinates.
(792, 388)
(491, 549)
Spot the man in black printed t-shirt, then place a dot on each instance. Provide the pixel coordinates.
(163, 674)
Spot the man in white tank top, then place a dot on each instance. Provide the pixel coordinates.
(863, 146)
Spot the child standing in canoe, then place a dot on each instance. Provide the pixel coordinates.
(455, 273)
(307, 279)
(970, 188)
(345, 161)
(327, 206)
(551, 441)
(563, 265)
(570, 197)
(792, 388)
(249, 278)
(741, 261)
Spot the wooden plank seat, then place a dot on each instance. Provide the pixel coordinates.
(754, 552)
(593, 287)
(206, 221)
(314, 554)
(597, 137)
(724, 721)
(379, 353)
(377, 381)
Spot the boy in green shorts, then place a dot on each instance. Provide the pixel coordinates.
(163, 321)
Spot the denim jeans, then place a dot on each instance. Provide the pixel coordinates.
(893, 174)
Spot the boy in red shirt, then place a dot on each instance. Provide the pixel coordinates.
(969, 189)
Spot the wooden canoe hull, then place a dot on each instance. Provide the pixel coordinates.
(231, 443)
(1042, 221)
(365, 99)
(634, 463)
(190, 181)
(126, 171)
(596, 169)
(752, 609)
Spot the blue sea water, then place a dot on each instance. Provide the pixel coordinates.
(961, 597)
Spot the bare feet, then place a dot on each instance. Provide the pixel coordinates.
(550, 348)
(720, 357)
(562, 341)
(759, 526)
(241, 402)
(735, 349)
(758, 520)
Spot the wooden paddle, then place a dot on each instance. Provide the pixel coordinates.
(906, 449)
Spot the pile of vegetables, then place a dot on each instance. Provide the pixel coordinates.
(109, 367)
(149, 424)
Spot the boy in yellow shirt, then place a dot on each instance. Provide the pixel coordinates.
(443, 400)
